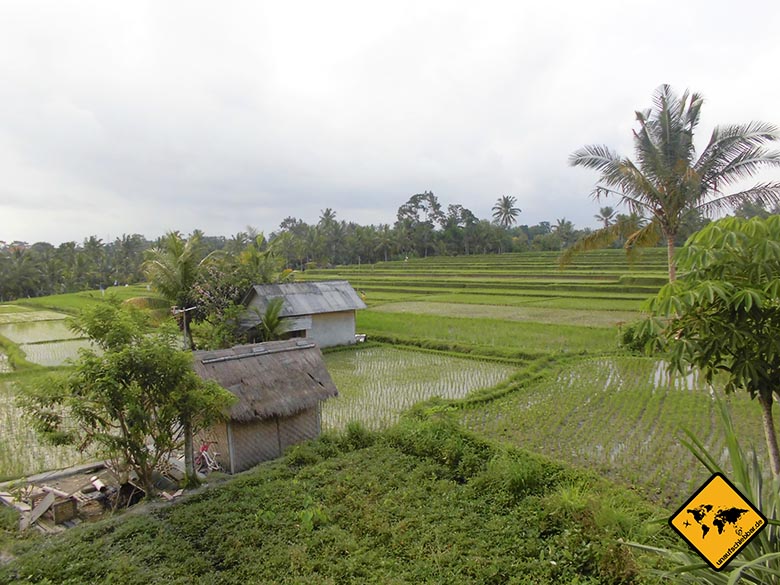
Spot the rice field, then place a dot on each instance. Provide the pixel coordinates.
(15, 314)
(602, 276)
(488, 336)
(54, 353)
(22, 452)
(376, 384)
(623, 418)
(42, 335)
(552, 316)
(36, 331)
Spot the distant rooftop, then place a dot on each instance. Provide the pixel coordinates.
(306, 298)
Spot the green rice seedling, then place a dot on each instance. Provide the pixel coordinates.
(55, 353)
(5, 365)
(554, 316)
(72, 303)
(496, 334)
(5, 309)
(627, 305)
(376, 384)
(27, 315)
(618, 416)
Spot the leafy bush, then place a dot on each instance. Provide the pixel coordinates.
(442, 440)
(357, 436)
(9, 519)
(509, 478)
(636, 338)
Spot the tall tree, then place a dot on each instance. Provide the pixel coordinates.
(668, 182)
(564, 229)
(385, 240)
(418, 218)
(504, 211)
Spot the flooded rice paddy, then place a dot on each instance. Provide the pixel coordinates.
(43, 336)
(376, 384)
(623, 417)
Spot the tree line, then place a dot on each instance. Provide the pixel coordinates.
(423, 228)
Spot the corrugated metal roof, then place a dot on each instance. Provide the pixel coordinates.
(306, 298)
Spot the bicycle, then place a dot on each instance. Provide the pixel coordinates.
(205, 460)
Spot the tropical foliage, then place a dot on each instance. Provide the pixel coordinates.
(504, 211)
(271, 326)
(605, 216)
(723, 314)
(669, 183)
(134, 397)
(173, 268)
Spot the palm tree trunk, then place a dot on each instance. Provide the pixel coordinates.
(670, 258)
(769, 433)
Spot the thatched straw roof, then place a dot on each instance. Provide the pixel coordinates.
(306, 298)
(276, 378)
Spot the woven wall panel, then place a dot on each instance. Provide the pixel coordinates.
(298, 428)
(254, 443)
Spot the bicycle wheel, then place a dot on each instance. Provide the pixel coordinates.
(201, 465)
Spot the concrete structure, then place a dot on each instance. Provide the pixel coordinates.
(279, 386)
(322, 311)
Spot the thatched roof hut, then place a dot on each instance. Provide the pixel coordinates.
(279, 386)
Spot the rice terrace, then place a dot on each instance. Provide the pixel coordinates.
(517, 350)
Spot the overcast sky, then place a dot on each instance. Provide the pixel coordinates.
(143, 117)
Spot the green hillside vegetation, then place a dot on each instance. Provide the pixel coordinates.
(424, 502)
(602, 274)
(72, 303)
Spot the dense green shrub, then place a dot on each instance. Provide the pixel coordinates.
(425, 502)
(634, 338)
(441, 439)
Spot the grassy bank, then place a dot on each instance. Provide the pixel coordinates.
(72, 303)
(424, 502)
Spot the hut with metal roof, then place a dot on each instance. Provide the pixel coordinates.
(322, 311)
(279, 386)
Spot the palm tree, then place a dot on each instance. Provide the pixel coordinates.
(605, 216)
(505, 212)
(564, 229)
(271, 326)
(172, 267)
(384, 240)
(668, 182)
